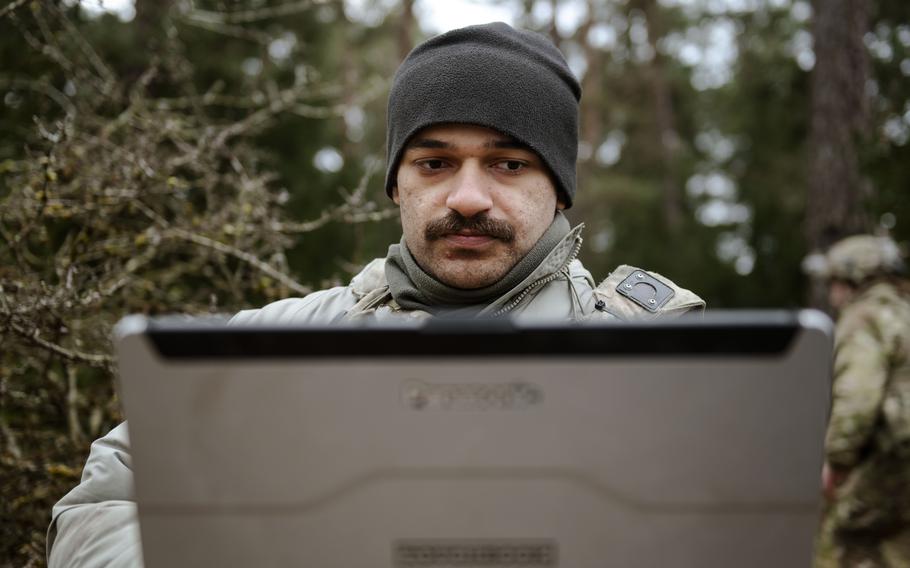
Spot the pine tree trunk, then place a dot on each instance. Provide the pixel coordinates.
(406, 29)
(553, 31)
(665, 115)
(592, 104)
(839, 119)
(150, 22)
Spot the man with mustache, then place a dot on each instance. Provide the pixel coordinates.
(482, 138)
(482, 142)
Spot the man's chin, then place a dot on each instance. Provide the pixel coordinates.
(467, 268)
(468, 284)
(464, 276)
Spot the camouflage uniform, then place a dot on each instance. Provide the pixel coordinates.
(868, 523)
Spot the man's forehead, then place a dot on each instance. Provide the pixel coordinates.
(458, 135)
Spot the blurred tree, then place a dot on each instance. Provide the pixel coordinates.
(886, 152)
(666, 138)
(839, 119)
(591, 129)
(406, 29)
(763, 112)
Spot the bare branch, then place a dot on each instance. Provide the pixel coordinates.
(372, 216)
(94, 59)
(11, 7)
(72, 401)
(352, 210)
(228, 30)
(42, 87)
(93, 359)
(254, 15)
(12, 446)
(285, 100)
(241, 255)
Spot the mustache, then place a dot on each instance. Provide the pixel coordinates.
(480, 224)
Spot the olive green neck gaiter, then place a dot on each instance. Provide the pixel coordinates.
(414, 289)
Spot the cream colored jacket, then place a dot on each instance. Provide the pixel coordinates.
(95, 524)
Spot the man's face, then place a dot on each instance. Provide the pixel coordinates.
(473, 202)
(840, 294)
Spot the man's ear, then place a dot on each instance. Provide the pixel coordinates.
(560, 202)
(395, 194)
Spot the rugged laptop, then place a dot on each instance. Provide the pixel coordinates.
(687, 443)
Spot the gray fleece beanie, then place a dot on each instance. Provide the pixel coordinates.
(513, 81)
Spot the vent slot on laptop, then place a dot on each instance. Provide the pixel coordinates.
(425, 553)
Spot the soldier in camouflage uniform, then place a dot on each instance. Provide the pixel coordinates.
(867, 469)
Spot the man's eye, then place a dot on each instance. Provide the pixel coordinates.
(432, 164)
(510, 166)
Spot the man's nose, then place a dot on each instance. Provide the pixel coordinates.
(470, 192)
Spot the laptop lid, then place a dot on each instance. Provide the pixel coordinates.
(684, 443)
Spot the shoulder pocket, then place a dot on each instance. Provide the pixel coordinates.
(631, 293)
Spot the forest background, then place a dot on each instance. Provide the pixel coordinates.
(197, 157)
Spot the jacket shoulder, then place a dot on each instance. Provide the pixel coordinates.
(371, 278)
(95, 523)
(631, 293)
(319, 307)
(323, 306)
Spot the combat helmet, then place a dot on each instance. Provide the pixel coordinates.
(860, 257)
